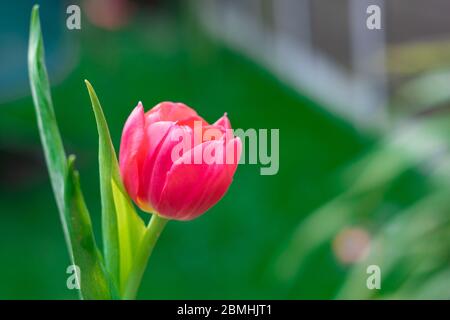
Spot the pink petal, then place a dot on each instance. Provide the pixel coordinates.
(171, 111)
(191, 189)
(224, 122)
(131, 146)
(164, 137)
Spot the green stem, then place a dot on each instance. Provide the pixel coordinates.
(151, 235)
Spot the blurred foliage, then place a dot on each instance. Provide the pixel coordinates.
(271, 236)
(419, 56)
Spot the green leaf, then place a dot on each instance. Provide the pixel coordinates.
(48, 129)
(131, 229)
(72, 209)
(93, 280)
(122, 227)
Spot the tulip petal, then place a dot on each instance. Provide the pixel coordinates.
(224, 122)
(171, 111)
(131, 145)
(161, 156)
(191, 189)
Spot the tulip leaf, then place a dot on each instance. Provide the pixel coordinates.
(131, 229)
(122, 227)
(72, 209)
(55, 156)
(92, 278)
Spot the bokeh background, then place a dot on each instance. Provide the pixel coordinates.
(364, 119)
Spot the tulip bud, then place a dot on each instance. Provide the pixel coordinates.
(174, 163)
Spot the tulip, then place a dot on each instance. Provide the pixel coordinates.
(174, 163)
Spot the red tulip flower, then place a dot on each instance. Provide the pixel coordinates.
(174, 163)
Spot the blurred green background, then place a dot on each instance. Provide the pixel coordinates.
(343, 199)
